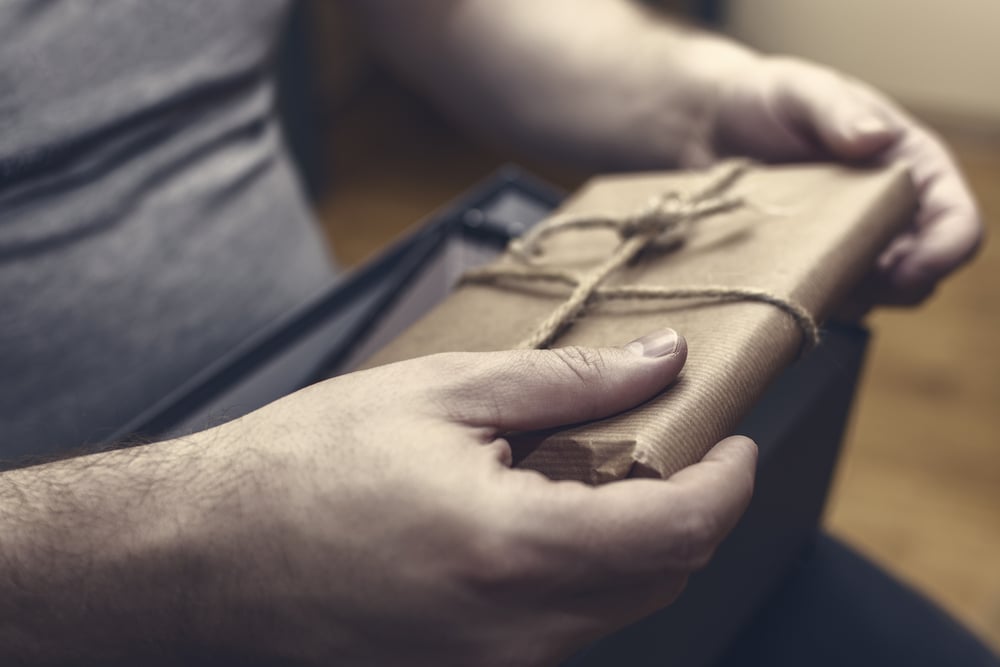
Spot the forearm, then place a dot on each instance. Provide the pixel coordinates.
(561, 77)
(103, 558)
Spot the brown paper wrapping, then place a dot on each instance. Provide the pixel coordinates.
(811, 233)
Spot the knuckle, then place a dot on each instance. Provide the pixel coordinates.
(496, 563)
(512, 552)
(462, 387)
(696, 533)
(586, 364)
(797, 81)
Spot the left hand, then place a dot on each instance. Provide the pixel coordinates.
(779, 109)
(379, 521)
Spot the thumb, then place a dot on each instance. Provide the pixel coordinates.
(525, 390)
(845, 122)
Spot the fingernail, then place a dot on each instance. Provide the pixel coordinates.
(869, 125)
(657, 344)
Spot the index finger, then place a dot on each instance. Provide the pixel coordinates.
(680, 521)
(948, 226)
(594, 536)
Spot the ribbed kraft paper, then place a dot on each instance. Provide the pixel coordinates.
(810, 234)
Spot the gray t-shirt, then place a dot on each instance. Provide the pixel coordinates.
(149, 216)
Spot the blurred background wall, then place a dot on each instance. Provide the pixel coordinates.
(939, 58)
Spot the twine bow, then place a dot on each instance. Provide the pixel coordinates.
(667, 219)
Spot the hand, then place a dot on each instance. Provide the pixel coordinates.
(781, 109)
(659, 93)
(389, 528)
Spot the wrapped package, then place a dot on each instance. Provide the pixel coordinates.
(744, 261)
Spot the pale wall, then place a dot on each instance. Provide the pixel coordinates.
(941, 57)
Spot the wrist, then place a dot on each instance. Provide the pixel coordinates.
(656, 106)
(215, 539)
(703, 67)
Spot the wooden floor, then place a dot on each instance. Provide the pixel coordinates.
(918, 488)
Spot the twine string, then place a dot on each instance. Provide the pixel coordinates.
(665, 218)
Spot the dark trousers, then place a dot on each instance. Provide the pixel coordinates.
(837, 608)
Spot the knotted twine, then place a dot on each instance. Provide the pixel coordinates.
(666, 220)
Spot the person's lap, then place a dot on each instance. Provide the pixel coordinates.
(833, 608)
(837, 608)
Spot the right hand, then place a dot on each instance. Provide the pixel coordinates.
(780, 109)
(380, 522)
